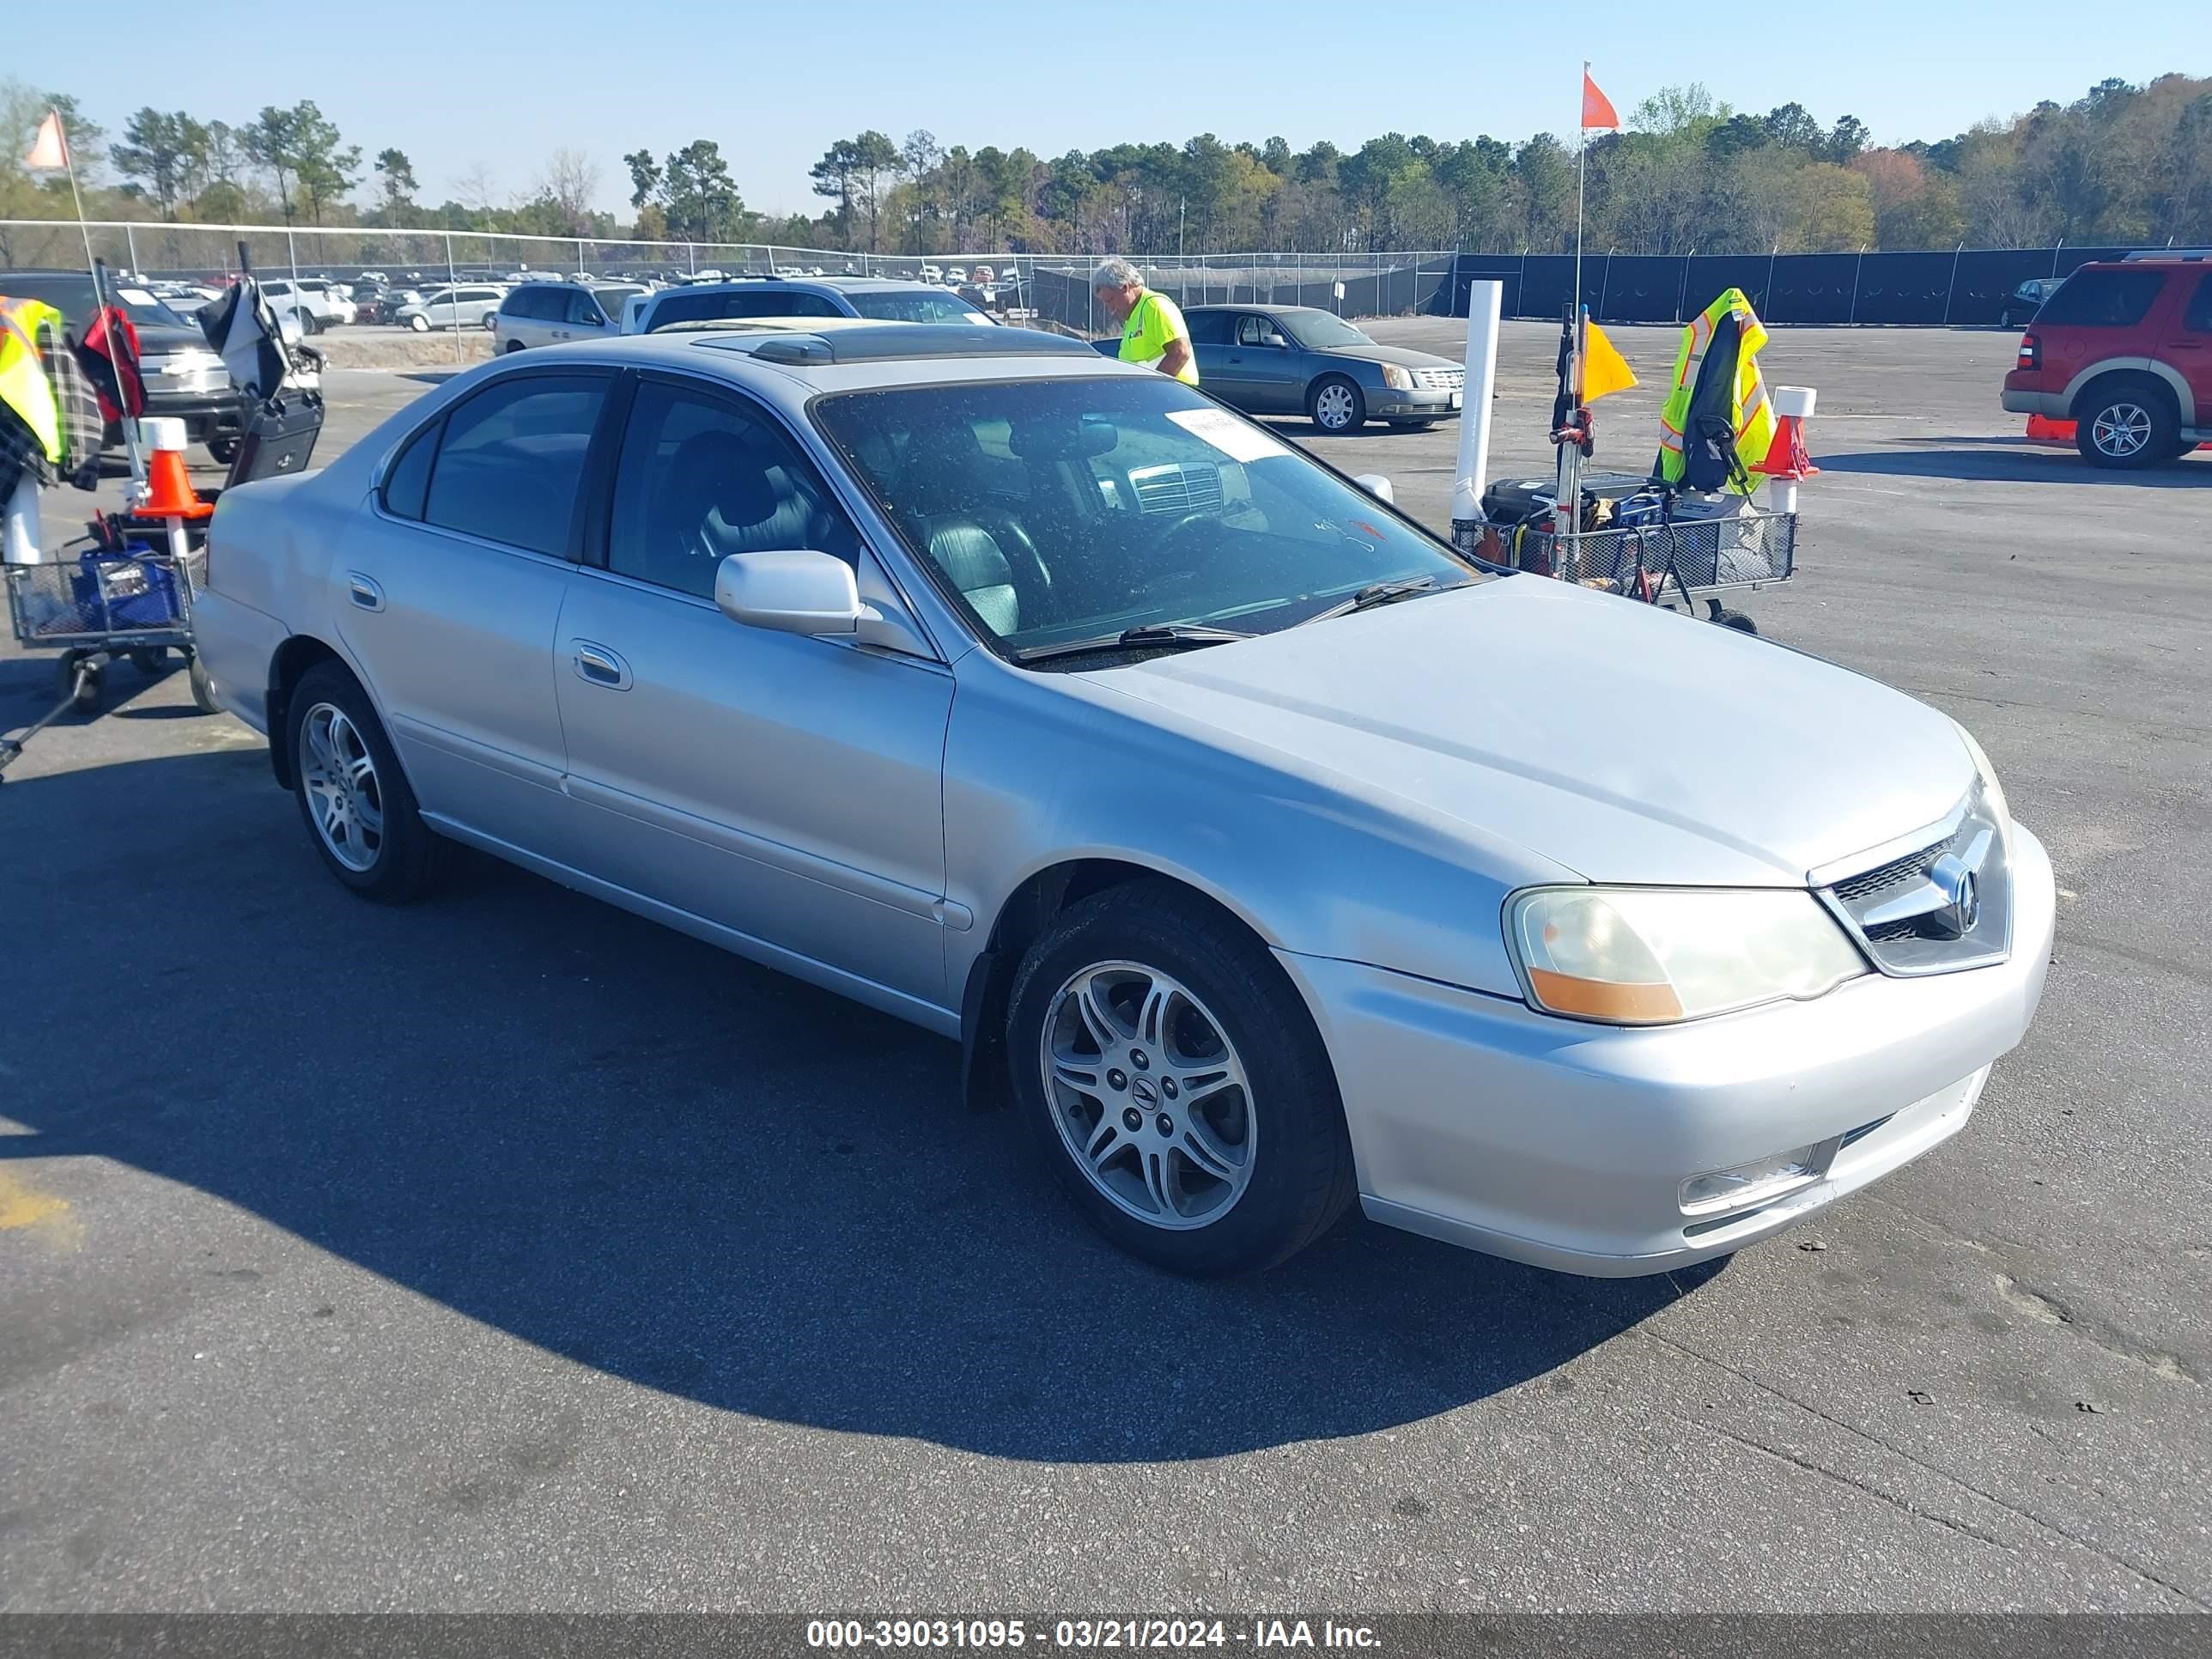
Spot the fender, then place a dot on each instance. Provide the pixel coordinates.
(2171, 377)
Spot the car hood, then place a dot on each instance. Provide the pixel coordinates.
(161, 338)
(1401, 356)
(1616, 739)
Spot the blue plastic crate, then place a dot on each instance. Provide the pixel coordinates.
(130, 593)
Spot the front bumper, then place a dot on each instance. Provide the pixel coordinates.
(1477, 1121)
(218, 413)
(1421, 403)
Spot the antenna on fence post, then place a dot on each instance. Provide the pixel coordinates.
(1856, 269)
(1682, 293)
(1766, 299)
(130, 238)
(2056, 250)
(1953, 289)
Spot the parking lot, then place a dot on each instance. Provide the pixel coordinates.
(508, 1251)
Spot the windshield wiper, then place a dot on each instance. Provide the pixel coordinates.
(1174, 636)
(1376, 593)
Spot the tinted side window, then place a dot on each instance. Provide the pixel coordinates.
(526, 303)
(2104, 299)
(700, 479)
(2198, 318)
(1208, 327)
(407, 481)
(584, 309)
(512, 460)
(786, 304)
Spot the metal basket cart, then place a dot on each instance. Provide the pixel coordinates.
(98, 607)
(1696, 558)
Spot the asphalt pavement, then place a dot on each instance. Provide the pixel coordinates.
(507, 1251)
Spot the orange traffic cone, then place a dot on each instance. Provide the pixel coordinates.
(1787, 457)
(2041, 429)
(169, 493)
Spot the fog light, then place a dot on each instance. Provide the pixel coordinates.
(1754, 1182)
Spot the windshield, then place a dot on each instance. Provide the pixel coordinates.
(143, 308)
(918, 307)
(1317, 331)
(1074, 509)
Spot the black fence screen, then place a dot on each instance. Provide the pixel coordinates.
(1967, 285)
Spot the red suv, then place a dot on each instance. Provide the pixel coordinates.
(2124, 351)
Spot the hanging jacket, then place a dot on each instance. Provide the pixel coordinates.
(108, 354)
(1749, 417)
(25, 385)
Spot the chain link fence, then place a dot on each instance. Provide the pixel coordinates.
(1053, 289)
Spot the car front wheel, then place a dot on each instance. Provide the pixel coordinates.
(356, 801)
(1174, 1079)
(420, 324)
(1336, 405)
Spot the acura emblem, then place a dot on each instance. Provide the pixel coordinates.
(1962, 898)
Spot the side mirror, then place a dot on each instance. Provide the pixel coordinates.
(1378, 486)
(800, 591)
(1275, 340)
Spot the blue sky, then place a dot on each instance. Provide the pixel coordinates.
(502, 84)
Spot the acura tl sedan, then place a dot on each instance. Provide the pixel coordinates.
(1198, 793)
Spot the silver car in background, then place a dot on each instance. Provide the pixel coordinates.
(1270, 852)
(471, 305)
(550, 314)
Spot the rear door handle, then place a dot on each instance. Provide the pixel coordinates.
(599, 666)
(363, 592)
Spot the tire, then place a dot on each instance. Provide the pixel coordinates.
(2125, 425)
(513, 345)
(1276, 1169)
(224, 450)
(1738, 621)
(376, 842)
(1335, 405)
(151, 661)
(488, 320)
(81, 693)
(310, 324)
(203, 688)
(419, 323)
(2179, 448)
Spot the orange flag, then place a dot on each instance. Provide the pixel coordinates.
(1597, 108)
(49, 149)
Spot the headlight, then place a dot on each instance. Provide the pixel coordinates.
(1393, 375)
(1648, 956)
(1993, 795)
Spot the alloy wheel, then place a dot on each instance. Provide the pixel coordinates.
(1149, 1095)
(344, 795)
(1332, 406)
(2121, 431)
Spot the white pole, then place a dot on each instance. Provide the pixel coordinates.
(1581, 175)
(1485, 302)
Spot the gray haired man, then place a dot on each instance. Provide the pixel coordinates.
(1153, 329)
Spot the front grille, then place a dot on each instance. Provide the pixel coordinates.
(1897, 872)
(1909, 911)
(1441, 380)
(1178, 488)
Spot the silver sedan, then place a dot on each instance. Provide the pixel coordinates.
(1266, 852)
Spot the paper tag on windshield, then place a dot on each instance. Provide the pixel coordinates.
(135, 297)
(1236, 439)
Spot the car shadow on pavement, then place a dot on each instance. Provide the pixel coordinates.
(2018, 465)
(632, 1150)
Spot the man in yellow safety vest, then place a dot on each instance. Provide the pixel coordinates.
(1751, 417)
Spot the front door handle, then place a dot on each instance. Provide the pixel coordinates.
(599, 666)
(363, 592)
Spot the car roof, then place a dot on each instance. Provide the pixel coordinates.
(850, 360)
(1271, 310)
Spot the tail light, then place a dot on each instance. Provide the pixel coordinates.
(2031, 353)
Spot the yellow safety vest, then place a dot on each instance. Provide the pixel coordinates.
(1754, 414)
(24, 387)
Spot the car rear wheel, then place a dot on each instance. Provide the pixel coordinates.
(223, 450)
(359, 811)
(514, 345)
(2127, 425)
(1172, 1077)
(1336, 405)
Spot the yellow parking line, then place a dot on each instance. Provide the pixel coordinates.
(24, 1208)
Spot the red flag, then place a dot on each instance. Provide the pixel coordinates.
(1597, 108)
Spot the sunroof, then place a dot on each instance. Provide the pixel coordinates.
(893, 341)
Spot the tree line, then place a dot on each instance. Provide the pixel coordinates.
(2123, 164)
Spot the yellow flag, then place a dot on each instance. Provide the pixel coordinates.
(1604, 369)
